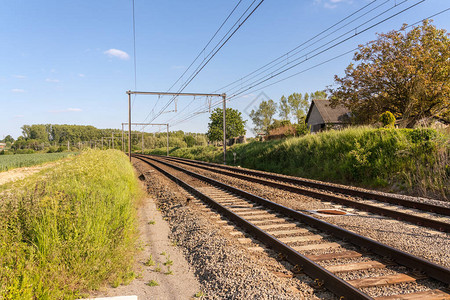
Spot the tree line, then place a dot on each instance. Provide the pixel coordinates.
(55, 138)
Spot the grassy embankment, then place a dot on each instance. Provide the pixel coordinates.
(68, 229)
(8, 162)
(413, 160)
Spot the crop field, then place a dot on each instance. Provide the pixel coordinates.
(8, 162)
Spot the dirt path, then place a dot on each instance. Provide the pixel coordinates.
(181, 284)
(21, 173)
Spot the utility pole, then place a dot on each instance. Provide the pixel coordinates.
(123, 141)
(129, 125)
(142, 143)
(167, 139)
(68, 146)
(224, 100)
(112, 139)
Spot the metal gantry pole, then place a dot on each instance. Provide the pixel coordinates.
(123, 141)
(142, 143)
(224, 98)
(129, 125)
(129, 92)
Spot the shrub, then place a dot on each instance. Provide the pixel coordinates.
(387, 119)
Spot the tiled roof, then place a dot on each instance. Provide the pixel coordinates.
(336, 115)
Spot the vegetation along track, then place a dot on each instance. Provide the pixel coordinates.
(327, 253)
(418, 213)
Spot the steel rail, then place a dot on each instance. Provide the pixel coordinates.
(338, 189)
(418, 220)
(433, 270)
(333, 283)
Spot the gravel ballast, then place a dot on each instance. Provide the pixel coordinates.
(420, 241)
(224, 268)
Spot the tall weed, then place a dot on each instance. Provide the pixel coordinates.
(70, 229)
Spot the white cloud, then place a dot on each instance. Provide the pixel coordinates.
(18, 91)
(117, 53)
(19, 116)
(19, 76)
(66, 110)
(331, 4)
(51, 80)
(81, 75)
(248, 96)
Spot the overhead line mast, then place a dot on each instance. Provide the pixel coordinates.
(224, 100)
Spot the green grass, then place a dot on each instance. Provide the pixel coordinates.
(69, 229)
(8, 162)
(150, 262)
(152, 283)
(413, 160)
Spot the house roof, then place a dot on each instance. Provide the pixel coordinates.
(336, 115)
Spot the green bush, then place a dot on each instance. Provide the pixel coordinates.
(68, 229)
(387, 119)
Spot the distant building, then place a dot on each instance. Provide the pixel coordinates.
(321, 116)
(2, 146)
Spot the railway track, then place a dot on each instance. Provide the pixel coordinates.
(347, 264)
(421, 214)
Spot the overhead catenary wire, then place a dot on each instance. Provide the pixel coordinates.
(292, 59)
(302, 44)
(256, 83)
(253, 84)
(199, 54)
(134, 50)
(187, 118)
(352, 14)
(200, 68)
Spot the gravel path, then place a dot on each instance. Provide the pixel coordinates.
(224, 268)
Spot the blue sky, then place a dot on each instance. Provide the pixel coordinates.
(70, 62)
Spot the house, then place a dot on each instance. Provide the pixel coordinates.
(322, 116)
(2, 146)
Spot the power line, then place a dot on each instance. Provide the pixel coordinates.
(329, 42)
(303, 43)
(204, 48)
(134, 52)
(256, 83)
(199, 69)
(187, 118)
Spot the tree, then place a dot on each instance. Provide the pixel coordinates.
(318, 95)
(9, 139)
(406, 73)
(234, 124)
(284, 108)
(189, 140)
(298, 105)
(263, 116)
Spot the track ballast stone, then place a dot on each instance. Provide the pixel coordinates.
(224, 269)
